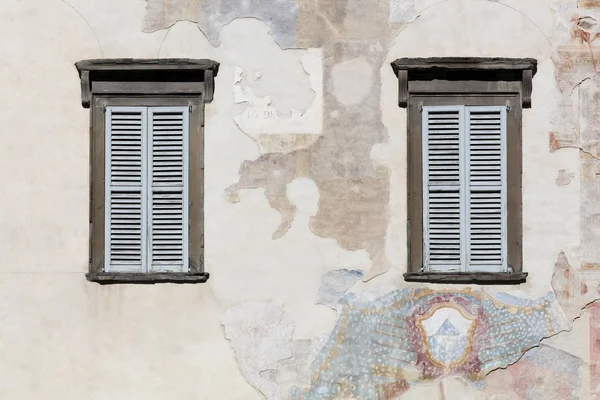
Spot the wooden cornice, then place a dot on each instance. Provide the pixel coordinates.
(162, 70)
(464, 69)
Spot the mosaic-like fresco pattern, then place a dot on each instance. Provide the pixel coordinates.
(378, 347)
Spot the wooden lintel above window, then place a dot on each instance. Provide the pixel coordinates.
(465, 69)
(128, 76)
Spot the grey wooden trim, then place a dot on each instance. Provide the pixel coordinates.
(140, 88)
(143, 76)
(147, 278)
(466, 88)
(415, 188)
(196, 189)
(209, 82)
(415, 176)
(113, 64)
(464, 63)
(514, 166)
(196, 175)
(97, 156)
(146, 101)
(402, 88)
(527, 87)
(495, 73)
(481, 278)
(86, 90)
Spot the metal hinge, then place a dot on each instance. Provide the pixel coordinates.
(507, 105)
(190, 107)
(420, 105)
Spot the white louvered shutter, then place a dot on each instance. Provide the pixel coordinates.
(125, 204)
(486, 178)
(464, 189)
(168, 189)
(442, 190)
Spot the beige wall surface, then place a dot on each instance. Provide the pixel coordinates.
(305, 208)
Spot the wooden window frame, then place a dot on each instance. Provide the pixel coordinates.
(469, 82)
(147, 83)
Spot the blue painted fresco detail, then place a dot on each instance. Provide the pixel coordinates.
(281, 16)
(431, 334)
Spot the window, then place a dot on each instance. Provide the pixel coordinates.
(146, 206)
(464, 163)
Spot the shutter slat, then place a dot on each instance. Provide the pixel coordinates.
(168, 197)
(486, 194)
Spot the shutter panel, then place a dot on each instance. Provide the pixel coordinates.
(442, 188)
(486, 172)
(168, 194)
(125, 203)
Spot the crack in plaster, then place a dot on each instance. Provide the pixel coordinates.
(566, 146)
(88, 24)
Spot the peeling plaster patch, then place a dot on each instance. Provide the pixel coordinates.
(274, 131)
(335, 284)
(284, 78)
(287, 211)
(162, 14)
(283, 143)
(260, 340)
(294, 371)
(562, 284)
(352, 80)
(354, 194)
(574, 288)
(436, 333)
(590, 211)
(544, 372)
(589, 92)
(564, 178)
(402, 11)
(576, 59)
(272, 173)
(281, 16)
(362, 223)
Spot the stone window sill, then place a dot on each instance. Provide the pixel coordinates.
(147, 278)
(480, 278)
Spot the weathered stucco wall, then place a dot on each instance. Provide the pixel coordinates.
(305, 209)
